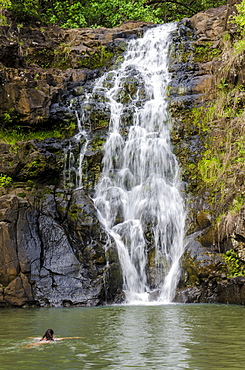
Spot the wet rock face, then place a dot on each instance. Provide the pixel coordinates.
(20, 250)
(47, 262)
(194, 69)
(40, 67)
(232, 292)
(193, 79)
(32, 160)
(54, 252)
(27, 95)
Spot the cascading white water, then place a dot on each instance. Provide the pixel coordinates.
(138, 196)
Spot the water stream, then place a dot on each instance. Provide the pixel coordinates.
(138, 195)
(169, 337)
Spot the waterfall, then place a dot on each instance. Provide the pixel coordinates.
(138, 194)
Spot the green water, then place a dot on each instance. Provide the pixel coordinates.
(197, 337)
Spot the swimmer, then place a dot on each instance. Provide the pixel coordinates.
(47, 337)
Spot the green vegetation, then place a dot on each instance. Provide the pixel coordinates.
(240, 17)
(7, 117)
(96, 59)
(12, 136)
(34, 168)
(206, 52)
(221, 126)
(235, 266)
(20, 133)
(105, 13)
(216, 171)
(5, 181)
(4, 4)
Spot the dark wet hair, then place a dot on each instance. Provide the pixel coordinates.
(48, 335)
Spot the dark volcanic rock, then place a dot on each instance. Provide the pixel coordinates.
(40, 67)
(48, 263)
(54, 251)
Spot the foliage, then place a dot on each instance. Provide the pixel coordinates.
(17, 134)
(235, 266)
(4, 4)
(5, 181)
(74, 14)
(232, 56)
(206, 52)
(67, 14)
(170, 10)
(7, 117)
(107, 13)
(221, 125)
(240, 17)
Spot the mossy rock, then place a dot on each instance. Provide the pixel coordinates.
(207, 239)
(113, 282)
(205, 52)
(203, 219)
(43, 57)
(112, 254)
(96, 59)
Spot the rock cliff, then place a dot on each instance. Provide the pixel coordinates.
(53, 249)
(205, 139)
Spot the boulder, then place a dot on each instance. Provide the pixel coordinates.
(210, 24)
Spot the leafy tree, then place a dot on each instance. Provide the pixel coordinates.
(5, 4)
(110, 13)
(107, 13)
(67, 14)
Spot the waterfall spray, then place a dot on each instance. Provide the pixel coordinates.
(138, 195)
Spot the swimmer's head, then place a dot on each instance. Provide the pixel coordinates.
(49, 335)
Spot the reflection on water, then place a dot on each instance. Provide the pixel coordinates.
(197, 337)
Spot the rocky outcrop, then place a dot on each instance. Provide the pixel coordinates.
(48, 259)
(32, 160)
(232, 292)
(54, 251)
(214, 226)
(38, 66)
(193, 67)
(210, 24)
